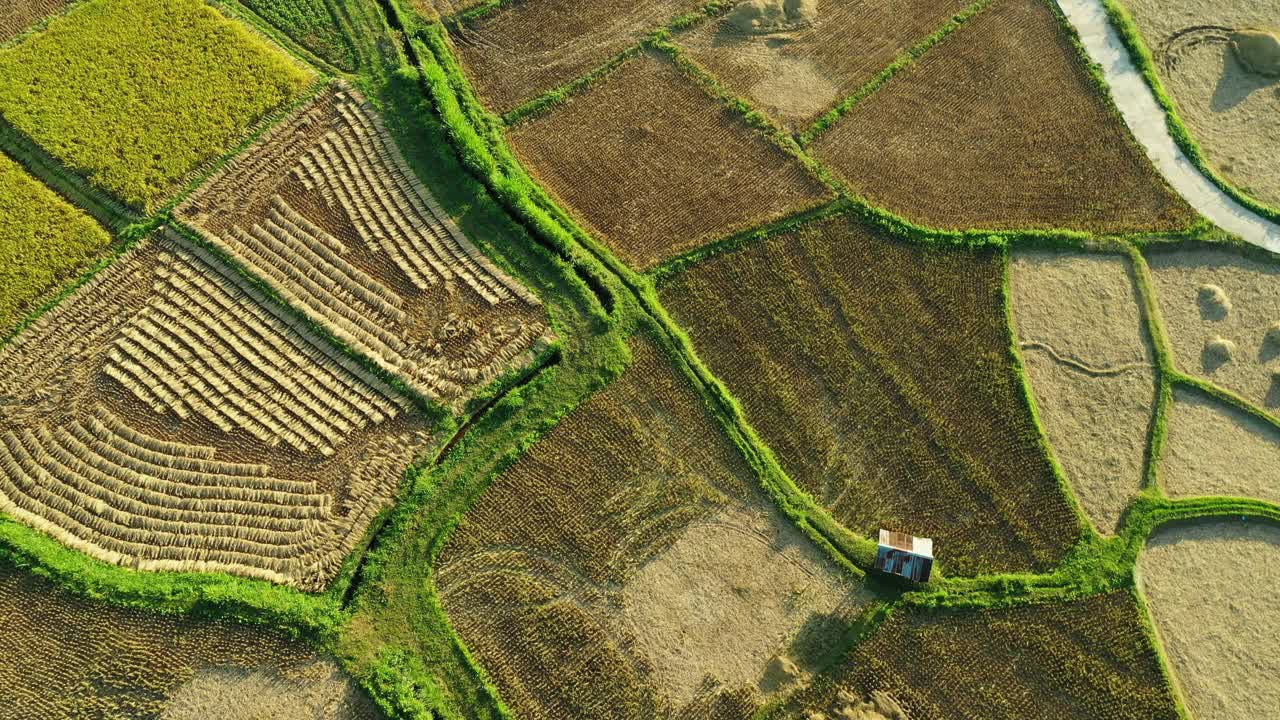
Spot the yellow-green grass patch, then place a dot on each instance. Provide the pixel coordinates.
(139, 94)
(44, 241)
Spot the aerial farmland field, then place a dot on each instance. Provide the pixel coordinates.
(655, 360)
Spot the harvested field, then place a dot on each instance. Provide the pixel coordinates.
(81, 659)
(1233, 114)
(86, 89)
(327, 211)
(627, 567)
(16, 16)
(1091, 370)
(1063, 157)
(1215, 449)
(311, 23)
(797, 74)
(169, 417)
(1210, 587)
(1085, 659)
(524, 49)
(44, 241)
(654, 166)
(880, 374)
(1221, 310)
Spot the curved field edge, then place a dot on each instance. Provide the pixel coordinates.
(1142, 58)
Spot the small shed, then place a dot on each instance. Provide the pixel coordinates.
(905, 555)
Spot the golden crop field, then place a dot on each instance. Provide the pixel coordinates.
(626, 556)
(1001, 126)
(325, 209)
(882, 376)
(71, 657)
(1086, 659)
(195, 426)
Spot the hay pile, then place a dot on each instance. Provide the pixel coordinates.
(879, 706)
(769, 16)
(1258, 51)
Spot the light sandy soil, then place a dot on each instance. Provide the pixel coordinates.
(318, 691)
(1234, 115)
(725, 598)
(1195, 323)
(1211, 590)
(1215, 449)
(1090, 370)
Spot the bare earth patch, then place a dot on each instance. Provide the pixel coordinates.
(1090, 369)
(316, 691)
(655, 166)
(1219, 307)
(1232, 113)
(16, 16)
(797, 73)
(1215, 449)
(725, 597)
(1211, 590)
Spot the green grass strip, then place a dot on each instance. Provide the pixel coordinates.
(554, 97)
(901, 63)
(1142, 58)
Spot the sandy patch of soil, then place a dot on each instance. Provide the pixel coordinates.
(725, 598)
(1219, 308)
(16, 16)
(1089, 366)
(317, 691)
(796, 60)
(1233, 114)
(1214, 449)
(1098, 428)
(1211, 590)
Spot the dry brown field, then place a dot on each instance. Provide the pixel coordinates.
(16, 16)
(627, 566)
(1221, 310)
(169, 417)
(1085, 659)
(1211, 589)
(654, 166)
(73, 658)
(1215, 449)
(1233, 114)
(798, 74)
(1000, 126)
(881, 375)
(326, 210)
(524, 49)
(1091, 370)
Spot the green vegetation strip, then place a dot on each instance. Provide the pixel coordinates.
(1142, 58)
(903, 61)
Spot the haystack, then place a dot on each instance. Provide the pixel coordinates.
(1258, 50)
(1217, 352)
(770, 16)
(1214, 303)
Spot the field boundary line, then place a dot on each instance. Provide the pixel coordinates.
(1084, 523)
(803, 218)
(76, 189)
(525, 199)
(833, 116)
(239, 12)
(554, 97)
(1131, 37)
